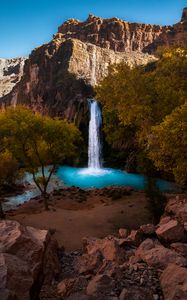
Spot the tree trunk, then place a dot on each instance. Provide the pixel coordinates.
(45, 199)
(2, 215)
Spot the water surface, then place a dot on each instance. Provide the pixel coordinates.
(87, 178)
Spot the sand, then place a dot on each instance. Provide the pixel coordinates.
(97, 216)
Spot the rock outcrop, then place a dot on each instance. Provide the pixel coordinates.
(123, 36)
(157, 256)
(184, 15)
(11, 71)
(60, 76)
(28, 259)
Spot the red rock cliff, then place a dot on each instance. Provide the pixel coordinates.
(120, 35)
(60, 76)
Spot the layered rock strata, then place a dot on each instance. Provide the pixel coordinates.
(123, 36)
(11, 71)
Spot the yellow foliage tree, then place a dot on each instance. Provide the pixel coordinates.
(37, 141)
(168, 144)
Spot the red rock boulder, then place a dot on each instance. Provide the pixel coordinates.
(174, 283)
(178, 207)
(108, 247)
(28, 258)
(148, 229)
(172, 231)
(180, 248)
(157, 256)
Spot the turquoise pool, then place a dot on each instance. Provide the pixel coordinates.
(90, 178)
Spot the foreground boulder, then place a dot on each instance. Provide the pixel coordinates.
(174, 283)
(177, 207)
(172, 231)
(28, 259)
(157, 256)
(15, 278)
(109, 248)
(180, 248)
(148, 229)
(134, 238)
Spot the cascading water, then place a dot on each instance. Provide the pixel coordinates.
(94, 147)
(94, 142)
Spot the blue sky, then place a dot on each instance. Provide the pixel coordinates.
(26, 24)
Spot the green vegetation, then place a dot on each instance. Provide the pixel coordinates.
(9, 172)
(145, 112)
(36, 141)
(168, 144)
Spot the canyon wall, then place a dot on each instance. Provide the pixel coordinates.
(60, 76)
(123, 36)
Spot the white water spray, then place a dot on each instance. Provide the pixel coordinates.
(94, 147)
(95, 167)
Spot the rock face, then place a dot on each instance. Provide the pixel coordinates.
(59, 76)
(184, 15)
(27, 260)
(11, 71)
(123, 36)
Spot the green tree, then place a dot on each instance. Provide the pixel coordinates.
(168, 144)
(142, 96)
(136, 99)
(9, 173)
(37, 141)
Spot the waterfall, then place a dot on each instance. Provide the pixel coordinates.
(94, 147)
(95, 167)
